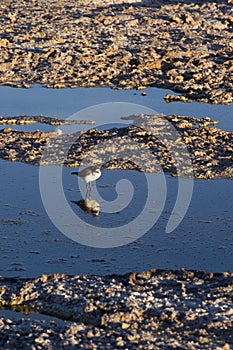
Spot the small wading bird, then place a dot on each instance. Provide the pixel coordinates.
(88, 175)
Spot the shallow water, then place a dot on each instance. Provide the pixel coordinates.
(17, 315)
(66, 102)
(32, 245)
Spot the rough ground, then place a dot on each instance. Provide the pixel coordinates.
(185, 46)
(151, 310)
(177, 145)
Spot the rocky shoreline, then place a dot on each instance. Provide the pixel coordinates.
(178, 145)
(184, 46)
(156, 309)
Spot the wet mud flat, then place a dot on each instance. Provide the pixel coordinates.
(177, 145)
(155, 309)
(185, 46)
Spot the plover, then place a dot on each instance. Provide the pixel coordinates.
(88, 175)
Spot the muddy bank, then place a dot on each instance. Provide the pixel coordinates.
(175, 144)
(154, 309)
(184, 46)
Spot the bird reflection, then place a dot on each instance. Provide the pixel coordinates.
(89, 206)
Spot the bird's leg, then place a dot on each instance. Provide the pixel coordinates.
(88, 190)
(86, 197)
